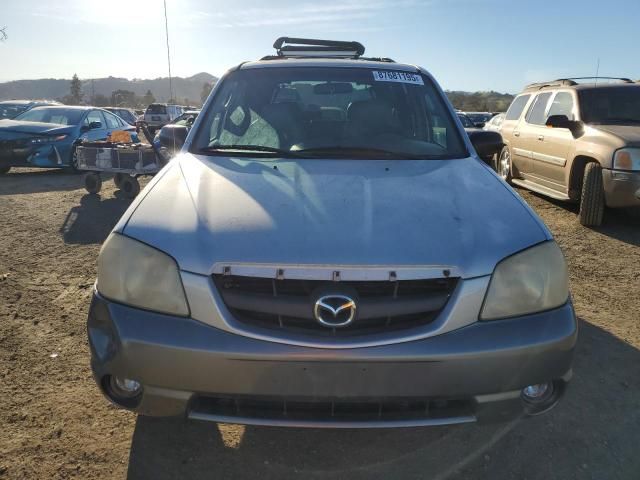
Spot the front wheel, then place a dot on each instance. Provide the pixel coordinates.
(592, 197)
(130, 186)
(74, 160)
(503, 164)
(92, 182)
(117, 179)
(4, 170)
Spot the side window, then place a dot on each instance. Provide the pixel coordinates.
(95, 116)
(112, 121)
(536, 114)
(516, 107)
(562, 105)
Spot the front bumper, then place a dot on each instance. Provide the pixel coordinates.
(41, 156)
(621, 189)
(189, 368)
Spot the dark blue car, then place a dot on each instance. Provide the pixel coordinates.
(47, 136)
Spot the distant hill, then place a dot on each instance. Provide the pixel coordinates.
(184, 88)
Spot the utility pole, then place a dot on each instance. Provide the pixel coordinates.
(166, 29)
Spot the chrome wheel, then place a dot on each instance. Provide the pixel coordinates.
(504, 164)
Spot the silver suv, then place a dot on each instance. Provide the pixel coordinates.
(329, 250)
(157, 115)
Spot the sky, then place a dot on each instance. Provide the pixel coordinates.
(466, 44)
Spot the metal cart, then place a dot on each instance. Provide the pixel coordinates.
(127, 161)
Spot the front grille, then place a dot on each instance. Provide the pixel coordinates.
(287, 305)
(368, 412)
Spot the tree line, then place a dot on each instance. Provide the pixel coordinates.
(122, 98)
(480, 101)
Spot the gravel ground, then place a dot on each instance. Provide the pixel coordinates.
(57, 425)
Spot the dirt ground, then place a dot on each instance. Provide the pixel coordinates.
(55, 423)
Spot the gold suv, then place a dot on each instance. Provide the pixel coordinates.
(577, 142)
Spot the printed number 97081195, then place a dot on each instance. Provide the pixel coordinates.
(402, 77)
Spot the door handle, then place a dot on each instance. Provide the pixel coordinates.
(540, 137)
(516, 134)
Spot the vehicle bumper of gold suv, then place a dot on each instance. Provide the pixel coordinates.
(621, 189)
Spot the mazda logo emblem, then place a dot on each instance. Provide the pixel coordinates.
(335, 310)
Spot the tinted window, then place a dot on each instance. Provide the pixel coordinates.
(536, 114)
(346, 112)
(112, 121)
(618, 105)
(94, 116)
(11, 110)
(61, 116)
(157, 109)
(516, 108)
(562, 105)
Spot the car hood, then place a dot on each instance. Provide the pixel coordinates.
(10, 127)
(628, 133)
(210, 210)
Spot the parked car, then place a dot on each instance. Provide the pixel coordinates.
(494, 123)
(158, 115)
(12, 108)
(126, 114)
(576, 142)
(185, 120)
(479, 118)
(466, 121)
(47, 136)
(329, 250)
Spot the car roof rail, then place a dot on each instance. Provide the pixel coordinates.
(561, 82)
(572, 81)
(622, 79)
(307, 47)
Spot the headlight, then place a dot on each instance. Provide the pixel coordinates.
(531, 281)
(139, 275)
(45, 140)
(627, 159)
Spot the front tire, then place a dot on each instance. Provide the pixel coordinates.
(592, 197)
(74, 160)
(503, 164)
(130, 186)
(92, 182)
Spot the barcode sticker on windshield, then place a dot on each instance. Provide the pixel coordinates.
(402, 77)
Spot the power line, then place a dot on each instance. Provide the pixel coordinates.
(166, 29)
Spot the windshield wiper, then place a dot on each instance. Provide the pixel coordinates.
(360, 151)
(247, 148)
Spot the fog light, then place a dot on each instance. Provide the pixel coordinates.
(125, 387)
(541, 397)
(536, 392)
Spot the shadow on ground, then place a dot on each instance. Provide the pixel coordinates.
(592, 433)
(619, 223)
(92, 220)
(30, 180)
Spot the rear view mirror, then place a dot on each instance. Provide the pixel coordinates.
(331, 88)
(486, 143)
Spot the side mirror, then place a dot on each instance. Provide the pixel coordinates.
(562, 121)
(480, 124)
(558, 121)
(95, 125)
(172, 137)
(486, 143)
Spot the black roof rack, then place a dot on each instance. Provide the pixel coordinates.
(569, 82)
(307, 47)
